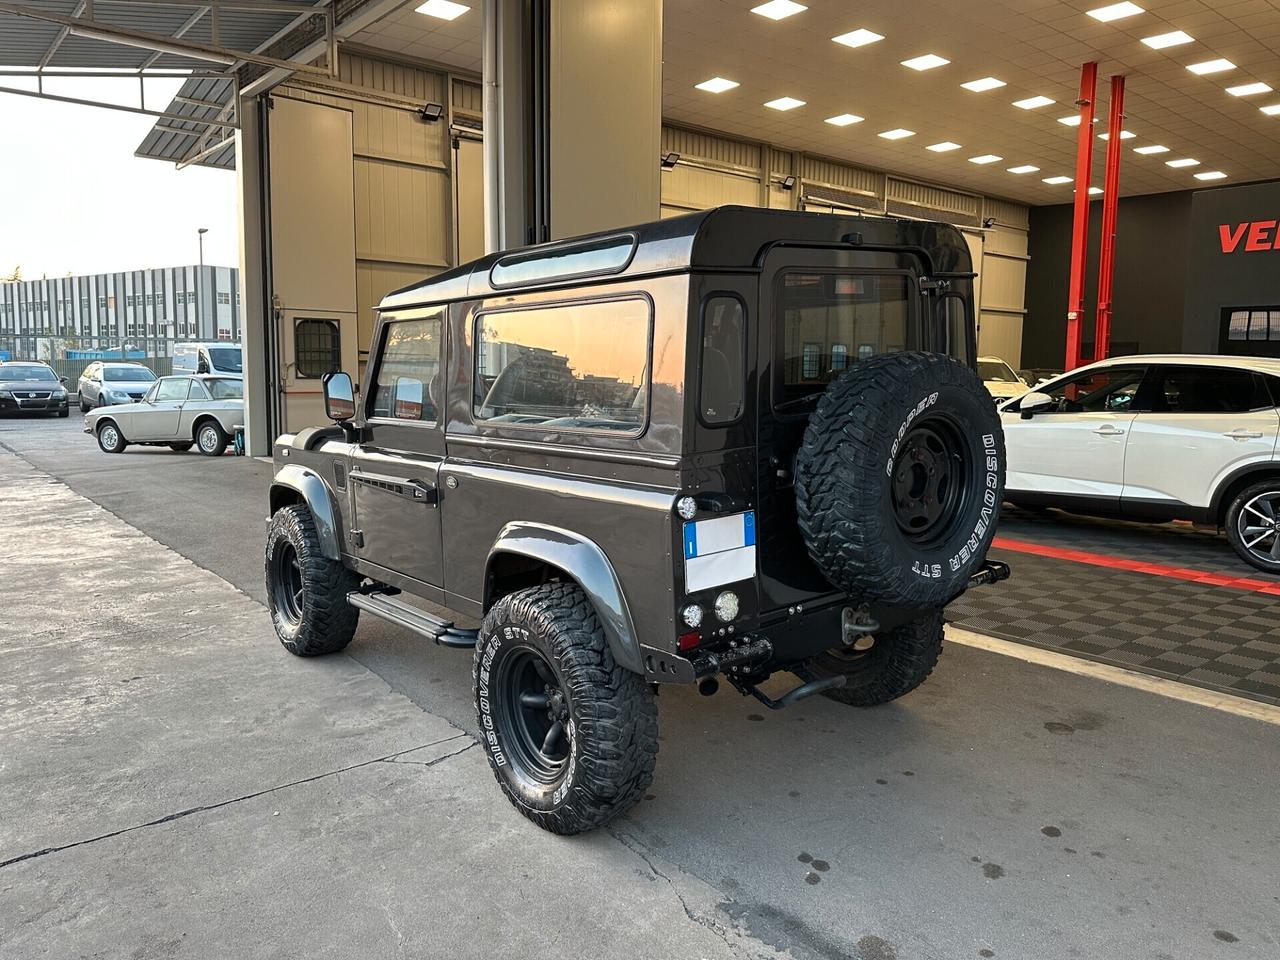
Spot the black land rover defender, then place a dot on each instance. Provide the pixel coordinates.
(722, 445)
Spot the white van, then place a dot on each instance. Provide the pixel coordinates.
(221, 358)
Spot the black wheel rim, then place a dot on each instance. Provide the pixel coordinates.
(929, 481)
(287, 583)
(1257, 526)
(534, 720)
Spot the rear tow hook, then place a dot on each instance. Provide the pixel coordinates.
(791, 696)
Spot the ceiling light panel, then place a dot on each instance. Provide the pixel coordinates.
(944, 147)
(926, 61)
(1056, 181)
(843, 120)
(858, 38)
(784, 103)
(779, 9)
(1184, 162)
(1071, 121)
(1272, 110)
(1025, 168)
(1249, 89)
(1163, 40)
(898, 133)
(1124, 135)
(1206, 67)
(716, 85)
(983, 85)
(1094, 191)
(1033, 103)
(1116, 11)
(443, 9)
(1211, 175)
(985, 159)
(1153, 148)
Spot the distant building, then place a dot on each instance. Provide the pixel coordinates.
(103, 310)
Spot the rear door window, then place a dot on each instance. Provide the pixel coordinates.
(832, 320)
(724, 332)
(1205, 389)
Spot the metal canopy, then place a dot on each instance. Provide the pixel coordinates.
(213, 43)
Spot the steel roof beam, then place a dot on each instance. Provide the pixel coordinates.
(187, 24)
(163, 43)
(245, 6)
(62, 35)
(164, 114)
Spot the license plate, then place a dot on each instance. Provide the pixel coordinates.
(719, 551)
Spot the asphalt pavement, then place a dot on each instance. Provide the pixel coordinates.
(254, 805)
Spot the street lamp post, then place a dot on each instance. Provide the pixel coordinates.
(200, 232)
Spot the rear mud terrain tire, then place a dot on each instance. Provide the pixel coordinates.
(897, 662)
(571, 737)
(899, 479)
(306, 591)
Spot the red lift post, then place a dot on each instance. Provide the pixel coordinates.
(1110, 205)
(1080, 227)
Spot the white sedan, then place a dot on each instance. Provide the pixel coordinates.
(1156, 438)
(177, 412)
(1000, 380)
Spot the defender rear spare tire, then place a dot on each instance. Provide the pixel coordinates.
(307, 591)
(882, 667)
(571, 737)
(899, 479)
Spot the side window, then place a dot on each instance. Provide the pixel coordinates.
(1202, 389)
(724, 328)
(1111, 389)
(317, 349)
(173, 388)
(581, 366)
(198, 392)
(150, 395)
(408, 379)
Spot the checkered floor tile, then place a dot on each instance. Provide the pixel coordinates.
(1209, 636)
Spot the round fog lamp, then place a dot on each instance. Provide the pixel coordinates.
(692, 615)
(687, 507)
(727, 606)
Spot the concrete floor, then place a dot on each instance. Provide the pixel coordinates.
(234, 801)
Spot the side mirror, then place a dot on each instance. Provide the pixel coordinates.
(339, 396)
(1034, 402)
(62, 379)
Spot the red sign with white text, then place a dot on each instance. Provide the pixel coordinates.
(1257, 235)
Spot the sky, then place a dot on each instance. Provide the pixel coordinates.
(74, 199)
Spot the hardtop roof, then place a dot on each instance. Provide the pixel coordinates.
(729, 237)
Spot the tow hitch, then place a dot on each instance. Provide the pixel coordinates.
(791, 696)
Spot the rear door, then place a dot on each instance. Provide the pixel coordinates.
(394, 474)
(821, 311)
(1077, 447)
(1205, 422)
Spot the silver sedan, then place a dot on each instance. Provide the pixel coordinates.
(177, 412)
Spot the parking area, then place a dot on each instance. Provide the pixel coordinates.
(192, 771)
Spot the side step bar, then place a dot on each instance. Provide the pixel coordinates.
(387, 607)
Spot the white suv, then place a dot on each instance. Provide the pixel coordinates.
(1156, 438)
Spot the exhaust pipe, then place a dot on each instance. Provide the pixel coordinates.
(707, 686)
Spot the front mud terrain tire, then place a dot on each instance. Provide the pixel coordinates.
(896, 663)
(571, 737)
(306, 591)
(899, 479)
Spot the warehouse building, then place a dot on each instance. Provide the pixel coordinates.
(156, 304)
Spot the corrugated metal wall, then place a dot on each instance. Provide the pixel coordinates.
(716, 169)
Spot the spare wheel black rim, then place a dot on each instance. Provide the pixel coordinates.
(533, 719)
(287, 583)
(930, 479)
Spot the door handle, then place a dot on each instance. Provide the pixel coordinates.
(1106, 430)
(1241, 434)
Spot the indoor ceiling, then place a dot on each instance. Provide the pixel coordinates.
(1034, 46)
